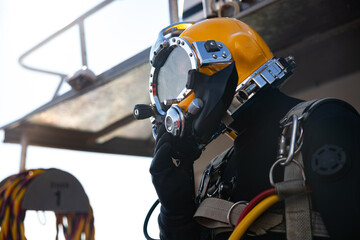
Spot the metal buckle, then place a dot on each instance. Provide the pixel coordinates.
(294, 140)
(294, 122)
(205, 179)
(280, 161)
(231, 208)
(211, 175)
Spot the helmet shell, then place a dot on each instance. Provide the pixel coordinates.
(248, 49)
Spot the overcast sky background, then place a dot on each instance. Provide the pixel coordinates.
(119, 187)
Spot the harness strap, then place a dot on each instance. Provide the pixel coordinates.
(318, 226)
(301, 222)
(222, 215)
(297, 207)
(218, 213)
(310, 106)
(213, 213)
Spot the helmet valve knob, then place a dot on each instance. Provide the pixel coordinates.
(195, 106)
(143, 111)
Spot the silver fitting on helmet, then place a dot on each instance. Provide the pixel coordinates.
(195, 106)
(174, 121)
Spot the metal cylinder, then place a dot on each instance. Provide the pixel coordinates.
(206, 8)
(173, 11)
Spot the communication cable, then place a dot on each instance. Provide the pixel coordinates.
(147, 218)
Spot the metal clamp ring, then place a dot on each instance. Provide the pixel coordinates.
(281, 160)
(231, 208)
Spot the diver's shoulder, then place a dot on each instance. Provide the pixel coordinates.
(334, 111)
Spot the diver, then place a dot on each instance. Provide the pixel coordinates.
(218, 76)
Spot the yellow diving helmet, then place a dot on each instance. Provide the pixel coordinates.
(202, 73)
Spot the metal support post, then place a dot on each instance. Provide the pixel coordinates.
(24, 144)
(206, 8)
(173, 11)
(82, 43)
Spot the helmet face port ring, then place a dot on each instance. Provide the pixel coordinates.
(171, 63)
(169, 73)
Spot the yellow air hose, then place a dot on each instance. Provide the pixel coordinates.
(259, 209)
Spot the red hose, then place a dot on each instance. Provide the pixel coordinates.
(254, 202)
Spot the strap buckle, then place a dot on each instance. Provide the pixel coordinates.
(228, 215)
(281, 161)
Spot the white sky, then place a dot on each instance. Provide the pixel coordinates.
(119, 187)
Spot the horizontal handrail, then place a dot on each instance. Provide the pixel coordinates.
(80, 22)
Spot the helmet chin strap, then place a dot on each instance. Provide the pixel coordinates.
(274, 72)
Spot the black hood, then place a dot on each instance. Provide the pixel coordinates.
(216, 92)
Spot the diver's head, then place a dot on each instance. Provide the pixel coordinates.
(203, 74)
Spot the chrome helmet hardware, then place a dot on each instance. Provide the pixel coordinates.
(273, 72)
(169, 73)
(171, 58)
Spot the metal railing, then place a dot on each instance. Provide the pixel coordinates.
(80, 22)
